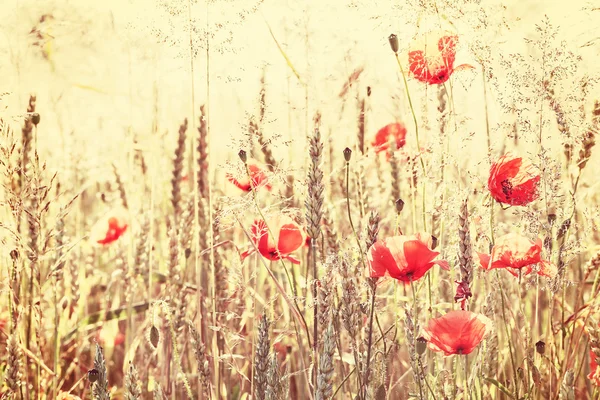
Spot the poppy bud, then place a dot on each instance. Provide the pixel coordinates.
(14, 254)
(242, 155)
(347, 154)
(93, 375)
(421, 345)
(188, 253)
(551, 219)
(434, 242)
(399, 205)
(394, 42)
(154, 336)
(540, 347)
(35, 118)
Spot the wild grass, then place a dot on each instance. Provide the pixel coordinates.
(169, 308)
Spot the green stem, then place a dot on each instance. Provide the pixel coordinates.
(416, 310)
(412, 109)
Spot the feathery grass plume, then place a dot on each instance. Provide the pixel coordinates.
(261, 359)
(567, 389)
(372, 228)
(594, 339)
(314, 214)
(465, 257)
(395, 171)
(120, 186)
(490, 358)
(201, 359)
(561, 120)
(132, 384)
(361, 126)
(315, 198)
(158, 393)
(140, 260)
(185, 234)
(220, 270)
(325, 374)
(12, 374)
(178, 171)
(27, 139)
(589, 138)
(203, 178)
(410, 328)
(349, 305)
(100, 386)
(275, 387)
(60, 240)
(331, 235)
(175, 279)
(326, 294)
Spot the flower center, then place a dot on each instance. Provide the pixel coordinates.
(506, 187)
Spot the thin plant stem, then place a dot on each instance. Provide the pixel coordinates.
(370, 338)
(412, 109)
(510, 348)
(416, 310)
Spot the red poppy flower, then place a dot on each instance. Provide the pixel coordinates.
(404, 258)
(457, 332)
(594, 374)
(257, 179)
(110, 228)
(288, 237)
(515, 252)
(394, 131)
(433, 61)
(514, 180)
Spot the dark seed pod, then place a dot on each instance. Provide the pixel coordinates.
(540, 347)
(93, 375)
(394, 42)
(154, 336)
(347, 154)
(421, 345)
(14, 254)
(243, 156)
(35, 118)
(434, 242)
(399, 205)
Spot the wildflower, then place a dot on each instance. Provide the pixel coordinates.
(394, 131)
(109, 228)
(288, 236)
(456, 332)
(257, 177)
(404, 258)
(514, 180)
(515, 252)
(433, 62)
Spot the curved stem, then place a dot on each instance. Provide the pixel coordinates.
(412, 109)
